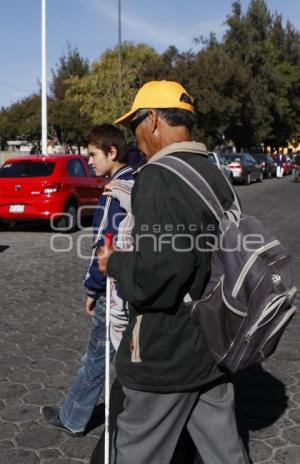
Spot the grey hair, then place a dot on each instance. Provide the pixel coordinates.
(140, 113)
(173, 116)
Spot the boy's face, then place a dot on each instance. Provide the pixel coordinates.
(103, 164)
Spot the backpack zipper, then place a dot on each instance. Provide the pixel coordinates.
(287, 316)
(275, 302)
(249, 264)
(268, 309)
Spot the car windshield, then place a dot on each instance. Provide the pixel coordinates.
(212, 158)
(232, 157)
(260, 157)
(26, 169)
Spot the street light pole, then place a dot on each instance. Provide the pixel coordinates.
(119, 48)
(44, 82)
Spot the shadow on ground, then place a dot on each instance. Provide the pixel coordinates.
(260, 400)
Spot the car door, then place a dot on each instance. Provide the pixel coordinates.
(272, 165)
(213, 158)
(78, 181)
(96, 183)
(248, 166)
(255, 166)
(224, 169)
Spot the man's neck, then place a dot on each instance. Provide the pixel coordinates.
(180, 134)
(167, 135)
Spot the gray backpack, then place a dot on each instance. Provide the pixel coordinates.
(248, 301)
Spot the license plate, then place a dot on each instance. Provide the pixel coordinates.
(16, 208)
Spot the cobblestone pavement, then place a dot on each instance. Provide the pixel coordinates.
(43, 332)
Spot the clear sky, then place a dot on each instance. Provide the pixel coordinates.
(91, 26)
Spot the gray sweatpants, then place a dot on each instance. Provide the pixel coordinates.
(148, 429)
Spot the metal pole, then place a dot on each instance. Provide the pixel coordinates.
(44, 82)
(107, 373)
(119, 48)
(109, 244)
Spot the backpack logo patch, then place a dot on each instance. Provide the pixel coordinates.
(276, 279)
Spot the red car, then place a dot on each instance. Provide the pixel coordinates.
(45, 187)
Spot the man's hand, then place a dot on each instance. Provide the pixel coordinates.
(107, 189)
(90, 305)
(103, 255)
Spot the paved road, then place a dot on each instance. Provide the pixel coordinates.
(43, 331)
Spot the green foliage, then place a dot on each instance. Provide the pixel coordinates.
(22, 120)
(268, 54)
(66, 123)
(100, 94)
(70, 65)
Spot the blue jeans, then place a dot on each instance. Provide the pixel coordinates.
(76, 410)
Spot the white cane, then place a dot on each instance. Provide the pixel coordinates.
(109, 240)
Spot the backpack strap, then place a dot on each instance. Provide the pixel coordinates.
(197, 183)
(234, 213)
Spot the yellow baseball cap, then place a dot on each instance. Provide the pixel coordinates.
(159, 94)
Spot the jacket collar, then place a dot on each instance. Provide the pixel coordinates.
(197, 148)
(121, 171)
(178, 147)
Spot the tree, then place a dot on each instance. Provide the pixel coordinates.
(215, 81)
(23, 120)
(66, 123)
(268, 111)
(98, 93)
(284, 81)
(70, 65)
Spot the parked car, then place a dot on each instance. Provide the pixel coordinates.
(267, 164)
(219, 161)
(244, 168)
(36, 187)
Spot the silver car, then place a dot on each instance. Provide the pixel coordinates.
(243, 167)
(219, 161)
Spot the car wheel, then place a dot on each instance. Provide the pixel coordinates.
(68, 223)
(248, 179)
(261, 176)
(4, 226)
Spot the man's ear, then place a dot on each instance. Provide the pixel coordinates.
(152, 120)
(113, 153)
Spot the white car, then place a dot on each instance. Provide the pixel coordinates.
(219, 161)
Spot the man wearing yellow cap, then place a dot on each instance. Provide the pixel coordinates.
(169, 378)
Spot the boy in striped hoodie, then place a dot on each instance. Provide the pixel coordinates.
(107, 156)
